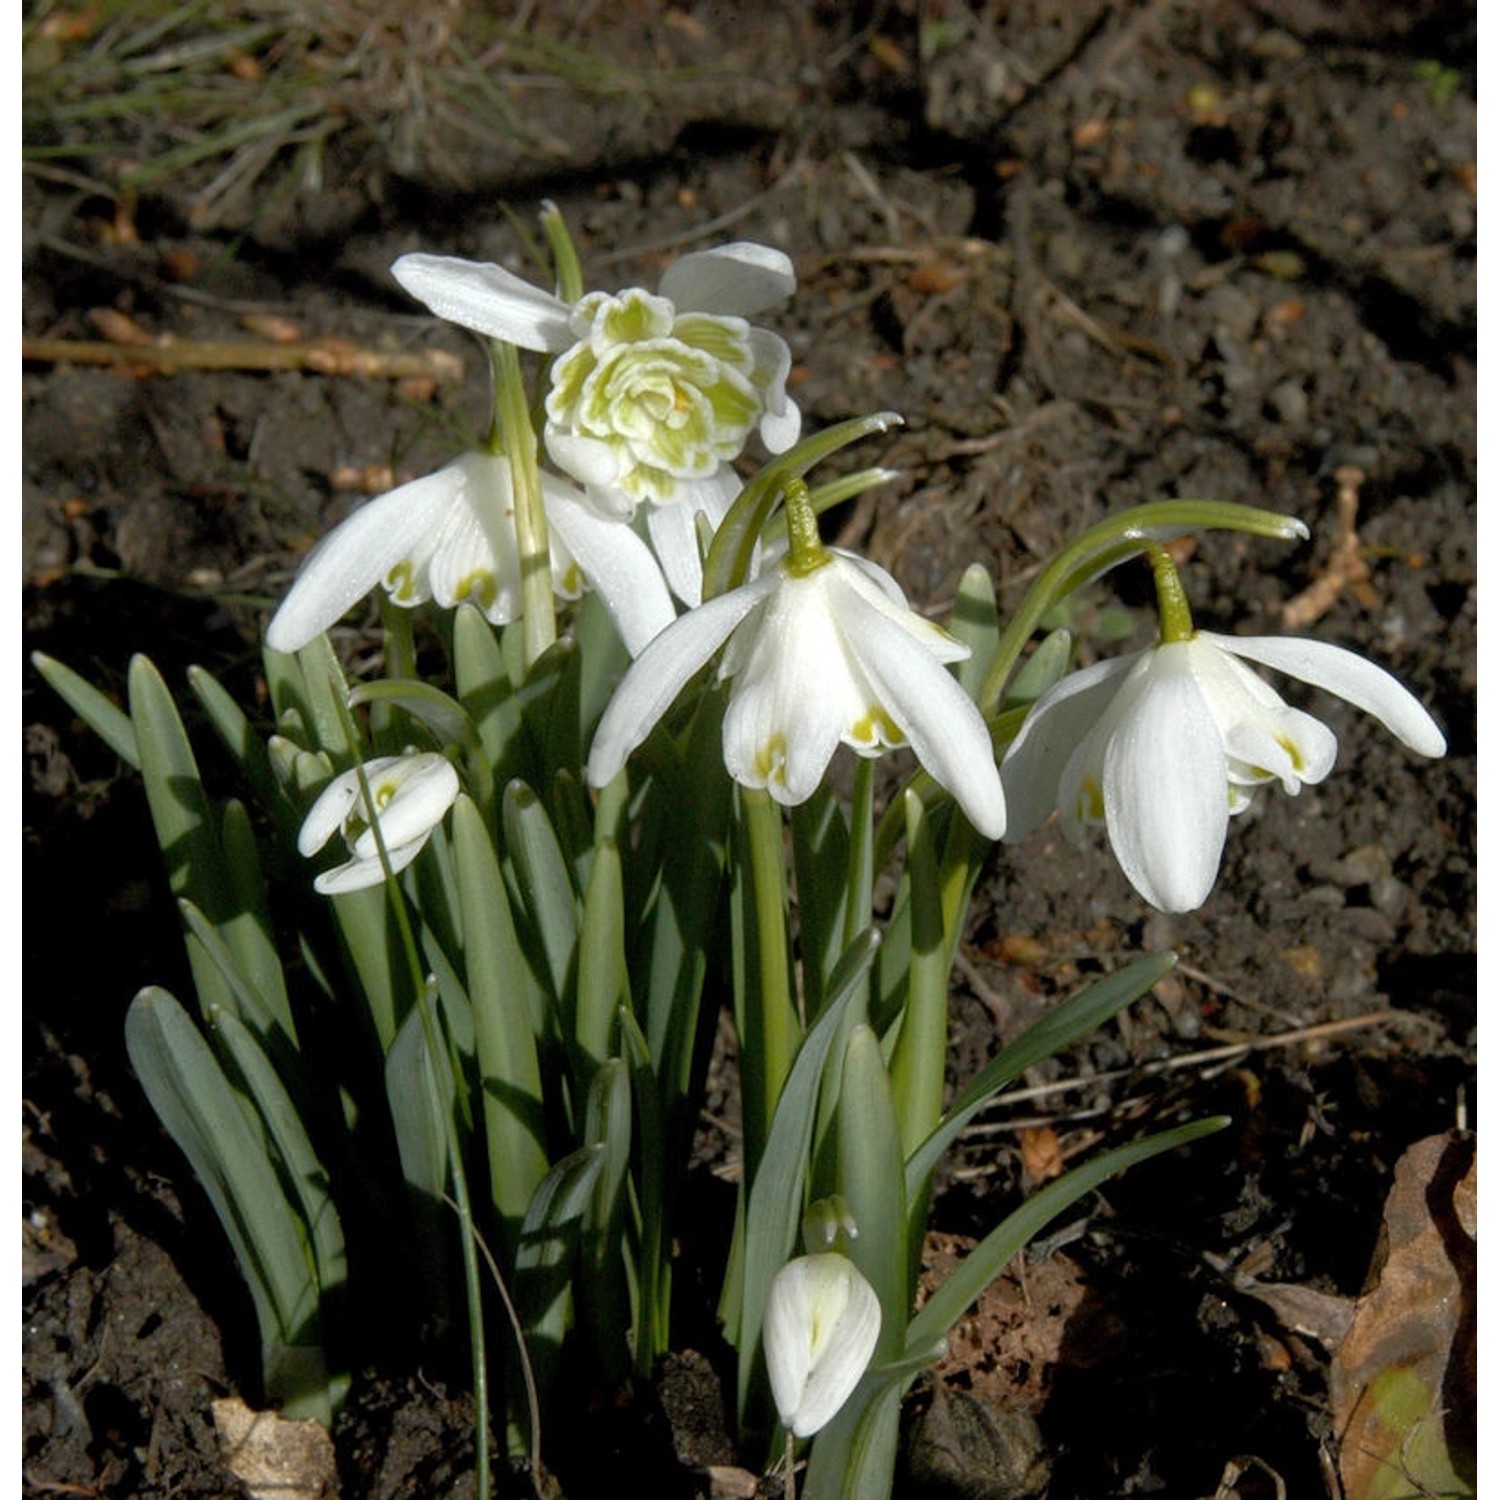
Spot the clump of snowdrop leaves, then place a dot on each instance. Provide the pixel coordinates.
(410, 796)
(821, 1326)
(820, 649)
(1165, 745)
(451, 535)
(652, 395)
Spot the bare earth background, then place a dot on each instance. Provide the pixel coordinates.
(1096, 254)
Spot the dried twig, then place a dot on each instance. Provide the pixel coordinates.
(1208, 1057)
(326, 356)
(1346, 568)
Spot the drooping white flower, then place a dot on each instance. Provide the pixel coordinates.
(451, 536)
(411, 793)
(652, 396)
(1163, 746)
(815, 657)
(822, 1322)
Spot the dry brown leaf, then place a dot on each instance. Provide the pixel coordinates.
(1403, 1381)
(276, 1459)
(1041, 1153)
(1006, 1347)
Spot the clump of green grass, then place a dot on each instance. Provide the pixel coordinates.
(209, 98)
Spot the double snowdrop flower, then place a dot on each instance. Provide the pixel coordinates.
(822, 1323)
(816, 655)
(410, 795)
(451, 536)
(652, 396)
(1165, 745)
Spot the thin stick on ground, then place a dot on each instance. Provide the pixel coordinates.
(327, 356)
(1208, 1057)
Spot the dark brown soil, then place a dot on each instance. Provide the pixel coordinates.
(1096, 254)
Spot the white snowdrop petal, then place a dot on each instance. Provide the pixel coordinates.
(821, 1326)
(739, 279)
(334, 803)
(487, 299)
(660, 673)
(357, 555)
(1347, 675)
(1165, 789)
(617, 563)
(674, 530)
(361, 874)
(1032, 771)
(945, 728)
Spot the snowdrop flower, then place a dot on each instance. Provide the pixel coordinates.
(816, 655)
(652, 395)
(821, 1326)
(451, 536)
(1163, 746)
(410, 792)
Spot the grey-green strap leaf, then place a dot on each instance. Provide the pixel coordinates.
(775, 1203)
(110, 722)
(993, 1253)
(546, 888)
(1078, 1016)
(301, 1169)
(203, 1113)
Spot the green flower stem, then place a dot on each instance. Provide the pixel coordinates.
(805, 550)
(770, 1017)
(435, 1050)
(513, 418)
(1171, 598)
(728, 562)
(1111, 542)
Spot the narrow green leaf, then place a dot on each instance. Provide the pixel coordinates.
(775, 1199)
(603, 984)
(485, 690)
(1078, 1016)
(246, 1003)
(324, 702)
(186, 826)
(975, 622)
(546, 889)
(248, 929)
(372, 950)
(870, 1181)
(854, 1457)
(549, 1238)
(652, 1324)
(603, 1295)
(235, 732)
(110, 722)
(1044, 667)
(301, 1170)
(506, 1007)
(202, 1112)
(921, 1046)
(820, 855)
(560, 743)
(603, 661)
(993, 1253)
(420, 1092)
(443, 716)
